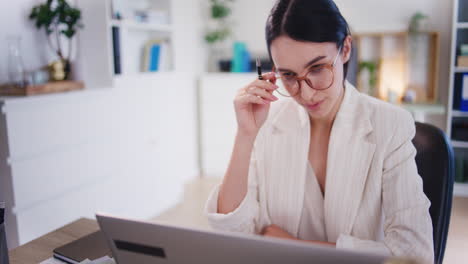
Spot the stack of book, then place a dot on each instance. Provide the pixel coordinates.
(156, 56)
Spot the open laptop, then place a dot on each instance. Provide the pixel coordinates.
(139, 242)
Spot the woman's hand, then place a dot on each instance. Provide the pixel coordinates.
(276, 231)
(252, 104)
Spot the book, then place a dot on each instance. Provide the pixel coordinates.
(459, 169)
(116, 49)
(92, 246)
(156, 56)
(464, 93)
(165, 56)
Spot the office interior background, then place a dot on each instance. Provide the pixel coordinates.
(151, 131)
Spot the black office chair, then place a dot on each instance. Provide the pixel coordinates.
(435, 163)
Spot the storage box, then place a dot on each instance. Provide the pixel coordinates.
(462, 61)
(464, 50)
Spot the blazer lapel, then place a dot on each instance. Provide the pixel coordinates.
(291, 138)
(349, 157)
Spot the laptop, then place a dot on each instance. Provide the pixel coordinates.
(134, 241)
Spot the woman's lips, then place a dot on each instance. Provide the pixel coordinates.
(314, 106)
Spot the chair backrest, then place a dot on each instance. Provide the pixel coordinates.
(435, 164)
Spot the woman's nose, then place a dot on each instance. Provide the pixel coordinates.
(307, 93)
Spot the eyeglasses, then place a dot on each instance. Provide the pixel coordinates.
(318, 77)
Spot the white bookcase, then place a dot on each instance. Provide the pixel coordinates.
(459, 36)
(97, 42)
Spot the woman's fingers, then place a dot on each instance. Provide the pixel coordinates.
(270, 76)
(253, 99)
(264, 85)
(261, 93)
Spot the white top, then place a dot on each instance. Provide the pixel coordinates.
(374, 200)
(312, 224)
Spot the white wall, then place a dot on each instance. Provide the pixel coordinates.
(13, 20)
(363, 16)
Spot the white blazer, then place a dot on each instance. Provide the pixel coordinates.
(374, 199)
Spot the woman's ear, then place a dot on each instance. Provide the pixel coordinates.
(347, 47)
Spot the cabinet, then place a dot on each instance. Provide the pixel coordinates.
(457, 120)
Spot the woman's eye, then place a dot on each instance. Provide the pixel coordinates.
(288, 75)
(316, 70)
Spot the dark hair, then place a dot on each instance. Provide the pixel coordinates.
(307, 20)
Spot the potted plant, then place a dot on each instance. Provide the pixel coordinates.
(58, 19)
(219, 30)
(369, 69)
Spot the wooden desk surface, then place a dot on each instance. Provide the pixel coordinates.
(41, 248)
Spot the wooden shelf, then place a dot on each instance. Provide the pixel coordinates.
(461, 69)
(133, 25)
(426, 108)
(460, 189)
(459, 144)
(47, 88)
(462, 25)
(457, 113)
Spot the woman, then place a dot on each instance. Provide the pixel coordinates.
(329, 166)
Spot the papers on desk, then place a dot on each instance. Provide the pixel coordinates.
(52, 261)
(103, 260)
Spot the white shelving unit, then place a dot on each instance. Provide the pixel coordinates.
(459, 36)
(98, 48)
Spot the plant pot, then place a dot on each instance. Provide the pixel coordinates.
(59, 70)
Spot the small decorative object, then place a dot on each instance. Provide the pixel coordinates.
(57, 70)
(241, 58)
(368, 68)
(392, 96)
(464, 49)
(409, 96)
(16, 72)
(419, 23)
(37, 77)
(218, 31)
(420, 52)
(58, 19)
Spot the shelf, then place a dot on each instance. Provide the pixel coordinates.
(462, 25)
(424, 108)
(456, 113)
(129, 24)
(461, 69)
(459, 144)
(460, 189)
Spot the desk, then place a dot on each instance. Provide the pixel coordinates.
(41, 248)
